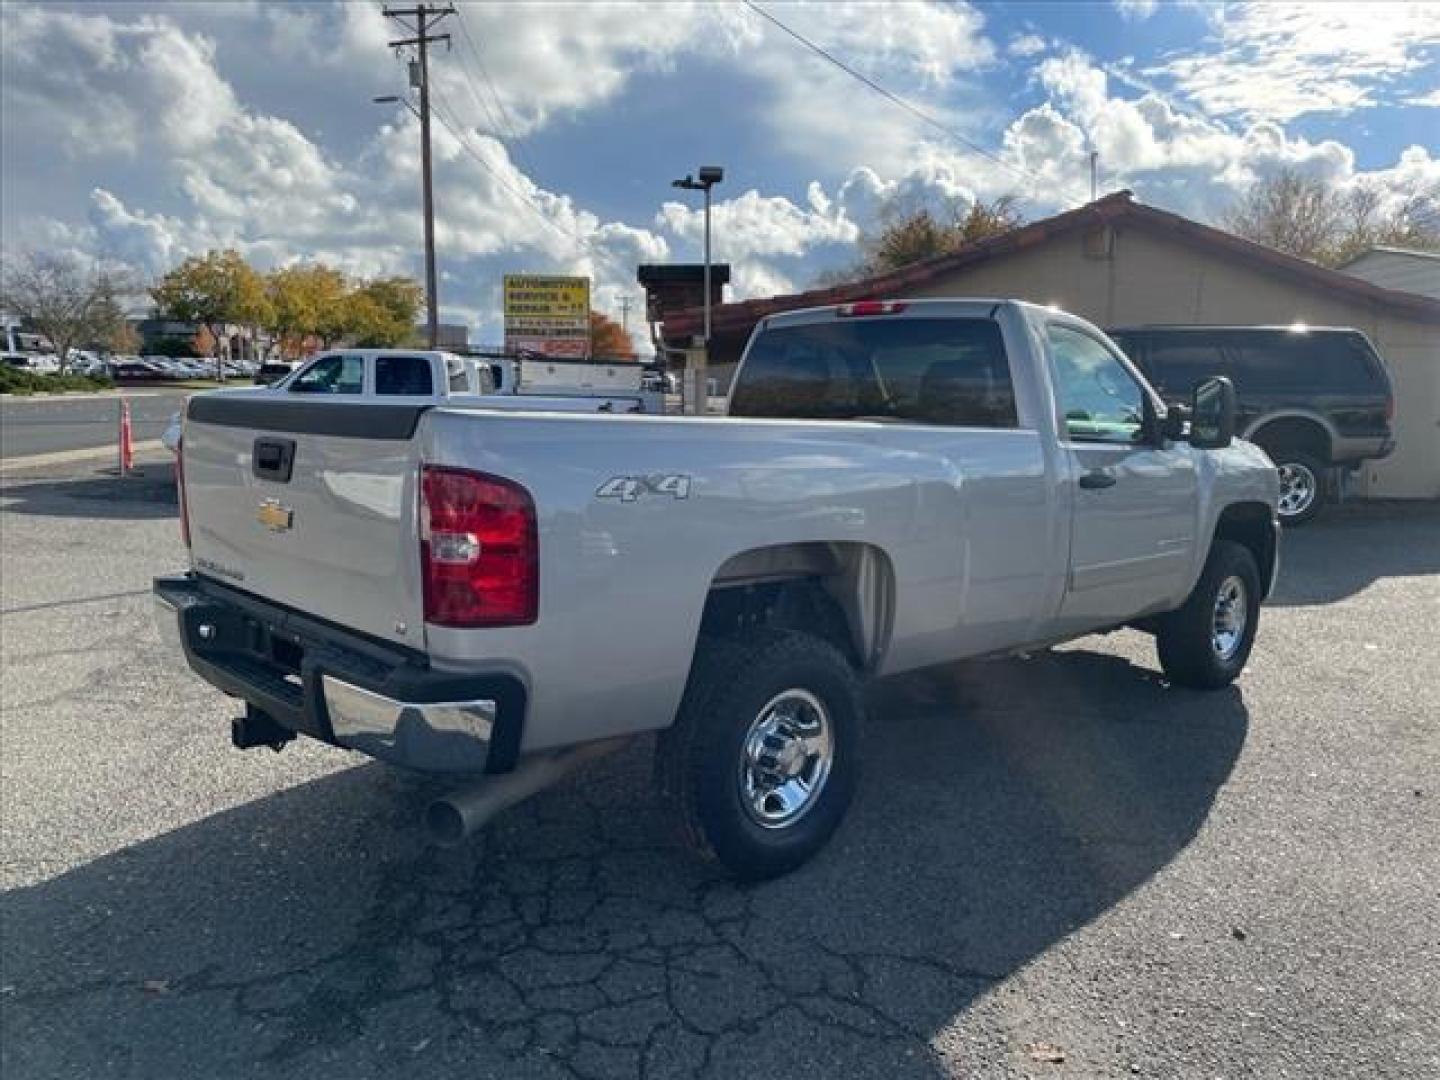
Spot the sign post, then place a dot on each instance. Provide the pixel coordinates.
(548, 314)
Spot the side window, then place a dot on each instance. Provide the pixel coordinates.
(331, 375)
(1304, 362)
(1177, 362)
(951, 372)
(1100, 399)
(403, 376)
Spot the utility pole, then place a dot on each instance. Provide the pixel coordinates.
(625, 314)
(425, 19)
(1094, 175)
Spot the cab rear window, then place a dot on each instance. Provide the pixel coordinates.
(951, 372)
(403, 376)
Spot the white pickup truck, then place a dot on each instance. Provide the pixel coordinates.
(897, 484)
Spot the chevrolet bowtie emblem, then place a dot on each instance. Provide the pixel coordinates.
(273, 516)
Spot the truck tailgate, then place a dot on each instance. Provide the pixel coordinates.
(311, 504)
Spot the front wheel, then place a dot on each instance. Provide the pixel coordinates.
(763, 758)
(1205, 642)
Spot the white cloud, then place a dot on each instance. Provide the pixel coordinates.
(91, 86)
(1430, 100)
(1024, 45)
(1278, 61)
(754, 224)
(546, 60)
(1177, 159)
(1136, 9)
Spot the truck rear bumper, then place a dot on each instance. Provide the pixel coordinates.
(318, 680)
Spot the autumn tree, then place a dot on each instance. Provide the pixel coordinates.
(122, 339)
(213, 290)
(67, 300)
(608, 340)
(1316, 220)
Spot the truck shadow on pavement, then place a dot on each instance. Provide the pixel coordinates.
(310, 932)
(148, 493)
(1351, 547)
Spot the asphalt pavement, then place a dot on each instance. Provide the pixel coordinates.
(48, 424)
(1056, 867)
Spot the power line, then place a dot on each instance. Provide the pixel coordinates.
(509, 125)
(895, 98)
(475, 94)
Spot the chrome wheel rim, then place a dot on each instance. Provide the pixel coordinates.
(1231, 614)
(1297, 489)
(786, 759)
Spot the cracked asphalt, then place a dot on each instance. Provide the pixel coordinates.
(1057, 866)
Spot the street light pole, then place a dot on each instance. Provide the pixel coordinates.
(707, 268)
(710, 175)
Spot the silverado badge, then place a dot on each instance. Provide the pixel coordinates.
(274, 516)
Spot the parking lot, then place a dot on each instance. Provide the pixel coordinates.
(1057, 866)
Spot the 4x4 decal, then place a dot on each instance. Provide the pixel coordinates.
(630, 488)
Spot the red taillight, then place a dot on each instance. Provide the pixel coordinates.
(870, 307)
(180, 489)
(479, 551)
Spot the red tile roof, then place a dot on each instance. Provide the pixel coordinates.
(1112, 209)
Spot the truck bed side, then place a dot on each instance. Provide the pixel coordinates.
(637, 518)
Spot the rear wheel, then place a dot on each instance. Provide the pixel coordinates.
(763, 758)
(1302, 486)
(1205, 642)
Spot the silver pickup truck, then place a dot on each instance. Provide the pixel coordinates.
(896, 485)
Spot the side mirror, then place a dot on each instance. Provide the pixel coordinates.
(1212, 414)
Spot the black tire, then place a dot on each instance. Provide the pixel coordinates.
(700, 760)
(1299, 471)
(1185, 637)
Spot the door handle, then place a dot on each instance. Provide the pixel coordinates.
(1097, 478)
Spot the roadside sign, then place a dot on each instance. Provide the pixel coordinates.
(548, 314)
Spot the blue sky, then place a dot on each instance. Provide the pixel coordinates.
(144, 132)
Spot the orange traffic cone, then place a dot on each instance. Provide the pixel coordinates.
(127, 448)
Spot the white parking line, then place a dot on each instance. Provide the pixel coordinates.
(62, 457)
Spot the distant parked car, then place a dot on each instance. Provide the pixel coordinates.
(1316, 399)
(137, 371)
(274, 371)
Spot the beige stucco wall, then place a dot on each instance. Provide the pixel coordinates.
(1157, 279)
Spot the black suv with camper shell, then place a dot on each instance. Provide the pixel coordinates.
(1318, 400)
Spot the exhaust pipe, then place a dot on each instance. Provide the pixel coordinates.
(451, 819)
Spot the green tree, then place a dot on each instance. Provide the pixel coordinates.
(289, 307)
(213, 290)
(381, 313)
(68, 301)
(325, 293)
